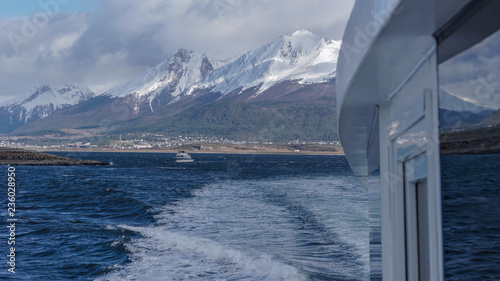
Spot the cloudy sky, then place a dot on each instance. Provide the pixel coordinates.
(103, 43)
(474, 74)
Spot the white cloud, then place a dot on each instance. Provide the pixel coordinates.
(63, 43)
(473, 74)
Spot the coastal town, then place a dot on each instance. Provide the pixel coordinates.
(145, 141)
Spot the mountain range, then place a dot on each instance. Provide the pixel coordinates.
(280, 91)
(456, 113)
(255, 95)
(40, 102)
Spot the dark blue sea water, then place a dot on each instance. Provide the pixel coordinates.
(471, 216)
(223, 217)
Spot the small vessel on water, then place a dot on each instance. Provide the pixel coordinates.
(183, 157)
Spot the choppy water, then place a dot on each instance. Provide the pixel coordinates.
(471, 216)
(223, 217)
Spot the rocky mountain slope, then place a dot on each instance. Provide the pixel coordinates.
(282, 90)
(295, 69)
(455, 113)
(302, 57)
(160, 84)
(492, 119)
(39, 103)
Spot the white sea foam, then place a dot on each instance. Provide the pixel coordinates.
(242, 210)
(166, 255)
(110, 227)
(256, 230)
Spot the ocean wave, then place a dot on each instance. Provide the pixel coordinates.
(286, 229)
(167, 255)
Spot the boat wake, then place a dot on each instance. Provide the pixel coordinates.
(286, 229)
(165, 254)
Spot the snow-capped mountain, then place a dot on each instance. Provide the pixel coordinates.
(291, 70)
(39, 103)
(451, 102)
(303, 57)
(457, 113)
(278, 90)
(168, 79)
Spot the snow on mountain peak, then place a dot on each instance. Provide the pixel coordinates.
(303, 56)
(173, 75)
(45, 94)
(43, 100)
(450, 101)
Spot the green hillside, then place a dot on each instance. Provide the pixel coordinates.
(244, 121)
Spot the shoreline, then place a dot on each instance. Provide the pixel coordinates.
(220, 149)
(35, 158)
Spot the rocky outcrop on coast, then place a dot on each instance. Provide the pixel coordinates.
(25, 157)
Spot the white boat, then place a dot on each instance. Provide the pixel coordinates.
(183, 157)
(387, 96)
